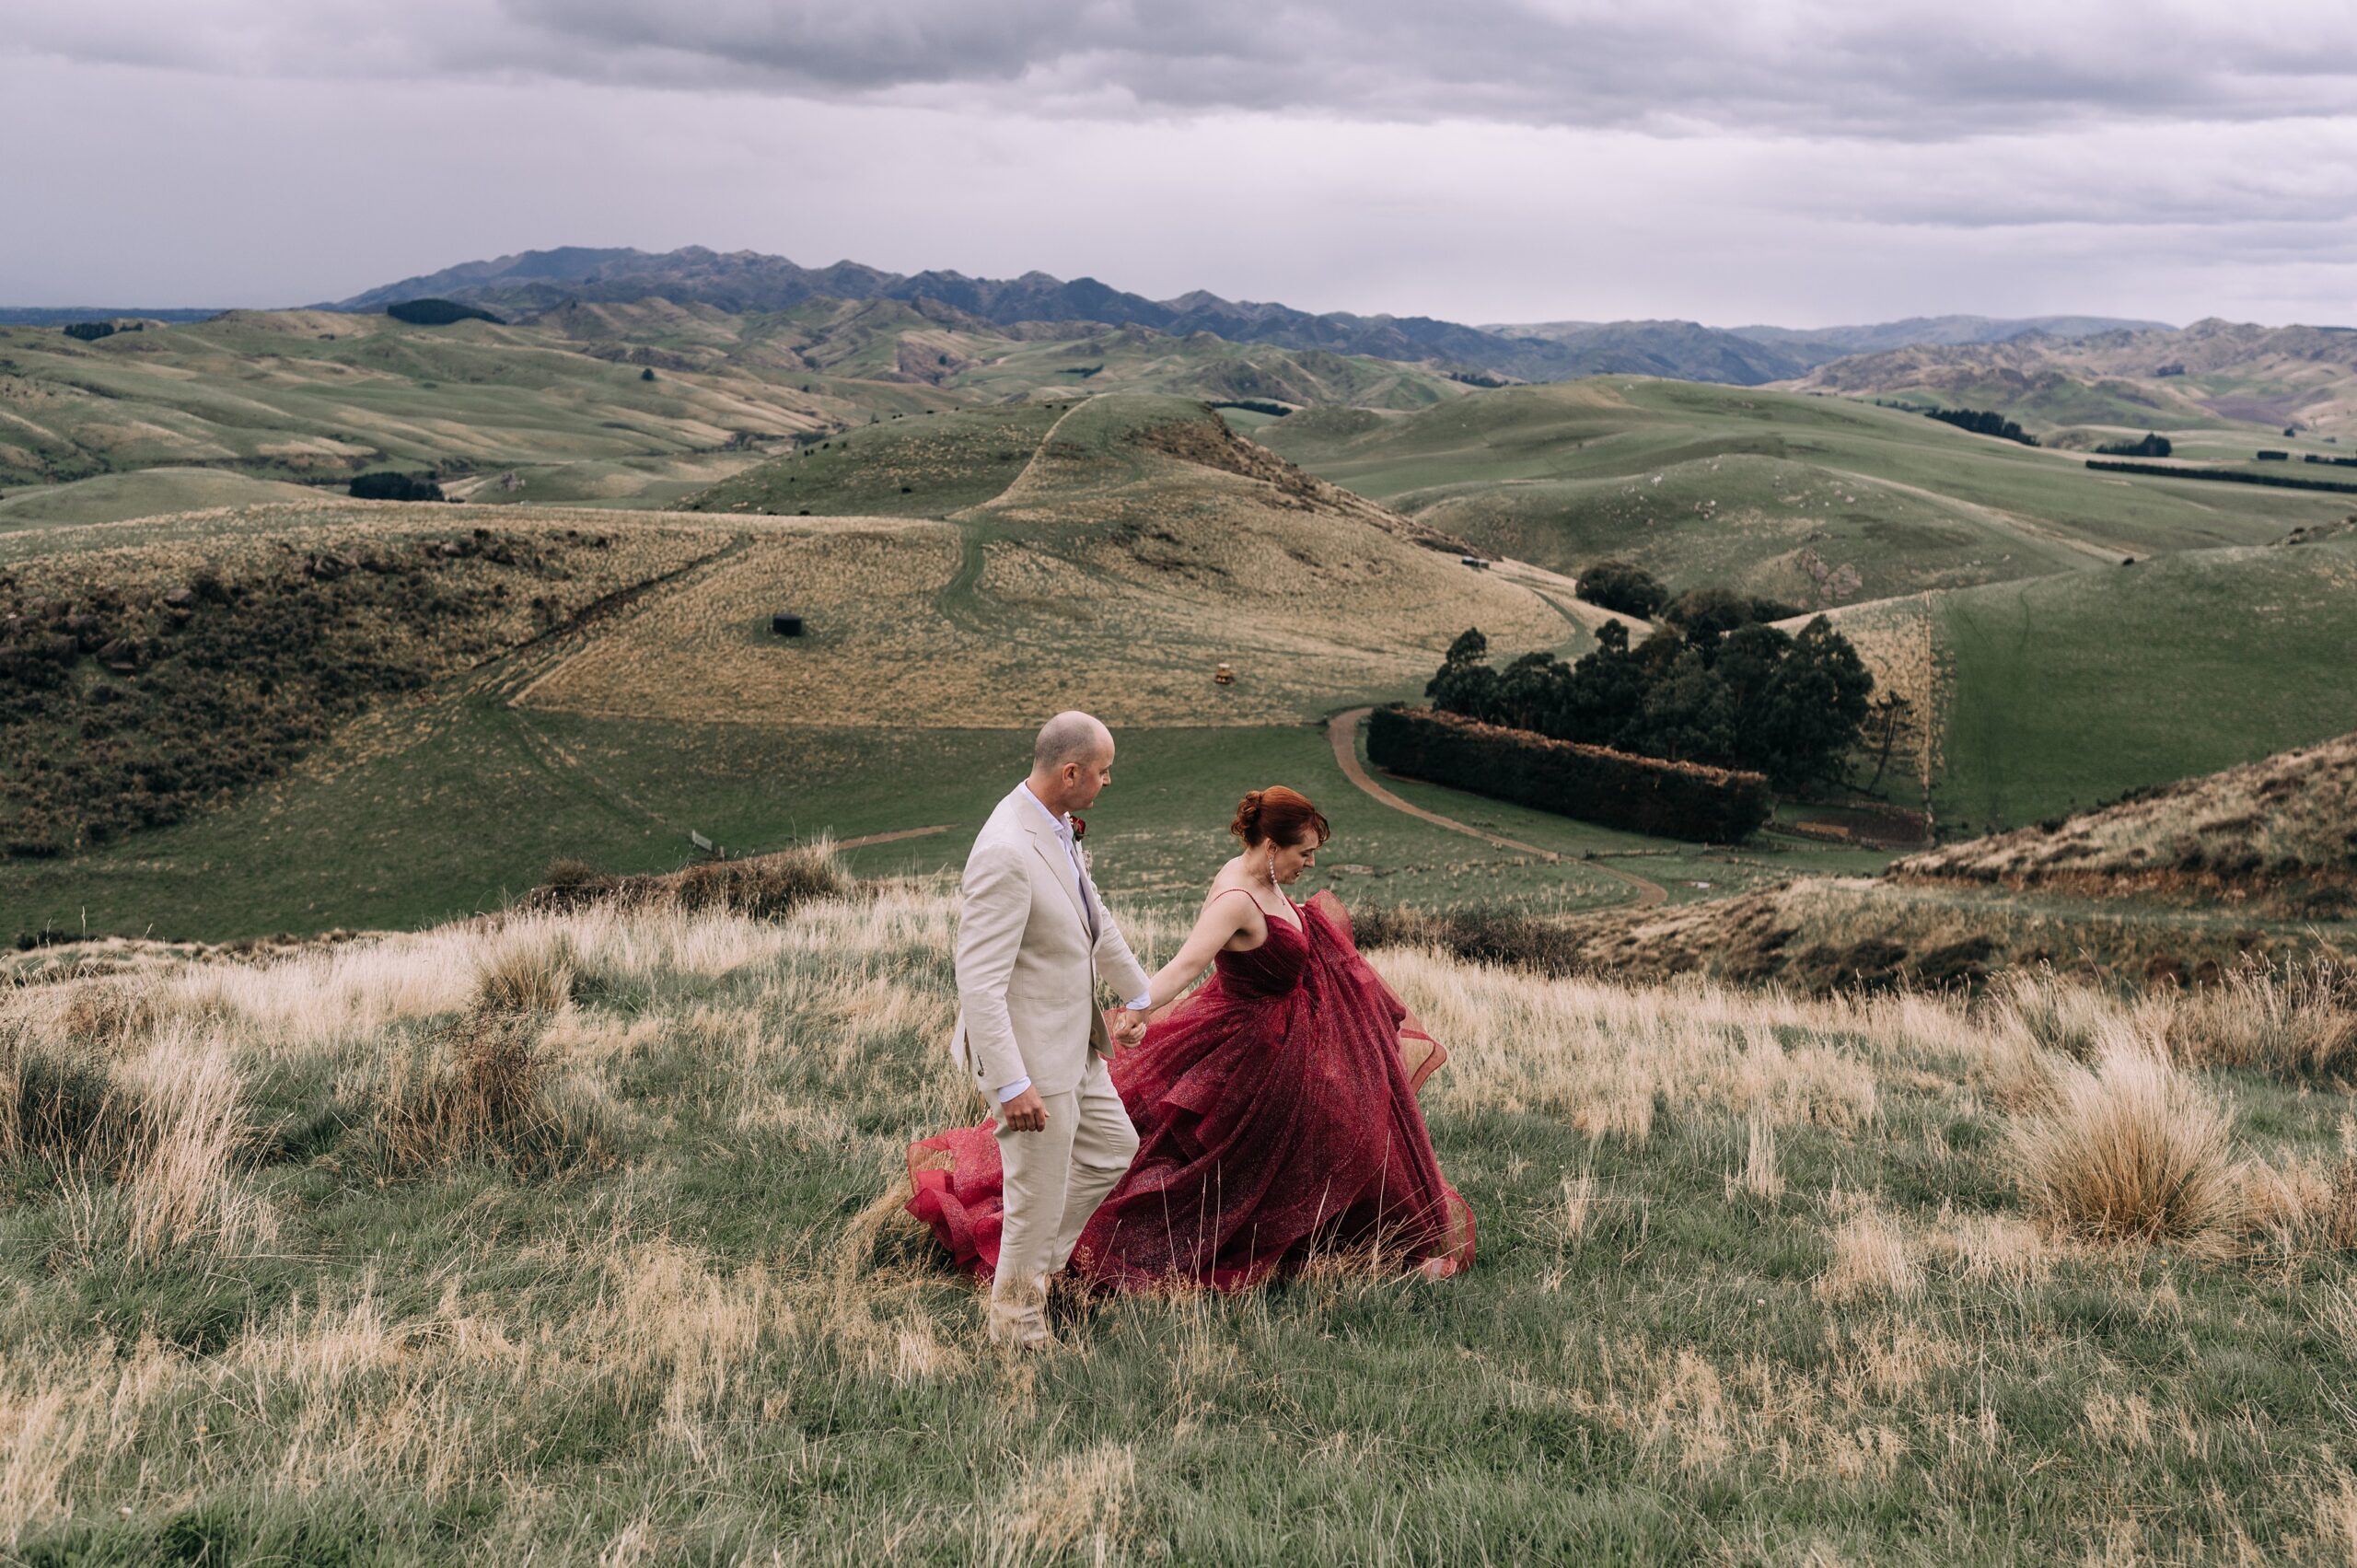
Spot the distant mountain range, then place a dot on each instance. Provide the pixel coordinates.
(749, 281)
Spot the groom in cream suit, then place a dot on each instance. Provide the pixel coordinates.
(1033, 939)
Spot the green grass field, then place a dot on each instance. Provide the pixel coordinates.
(1719, 482)
(2067, 692)
(455, 807)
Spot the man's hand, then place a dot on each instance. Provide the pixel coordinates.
(1027, 1112)
(1129, 1027)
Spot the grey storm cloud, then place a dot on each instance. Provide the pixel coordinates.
(1794, 160)
(1904, 70)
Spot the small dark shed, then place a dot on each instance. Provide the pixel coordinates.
(786, 625)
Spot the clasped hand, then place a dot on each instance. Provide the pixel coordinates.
(1128, 1026)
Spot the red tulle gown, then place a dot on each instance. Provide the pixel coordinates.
(1276, 1115)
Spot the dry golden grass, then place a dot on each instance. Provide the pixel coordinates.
(1844, 933)
(1756, 1250)
(1870, 1258)
(2270, 834)
(1113, 577)
(2131, 1149)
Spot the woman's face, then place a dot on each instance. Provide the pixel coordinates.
(1287, 862)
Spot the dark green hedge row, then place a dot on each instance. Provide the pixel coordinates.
(2230, 476)
(1642, 794)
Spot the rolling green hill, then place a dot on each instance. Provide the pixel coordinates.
(2068, 691)
(2213, 377)
(577, 403)
(1734, 484)
(143, 493)
(925, 467)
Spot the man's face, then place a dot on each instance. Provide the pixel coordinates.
(1083, 780)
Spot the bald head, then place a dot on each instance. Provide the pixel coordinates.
(1072, 737)
(1071, 761)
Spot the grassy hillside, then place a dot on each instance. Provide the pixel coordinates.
(2279, 834)
(1140, 547)
(2221, 377)
(301, 393)
(926, 467)
(142, 683)
(470, 1246)
(577, 399)
(2066, 692)
(147, 493)
(1730, 483)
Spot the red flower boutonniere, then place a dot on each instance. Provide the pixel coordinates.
(1079, 827)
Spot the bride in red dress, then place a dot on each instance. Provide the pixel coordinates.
(1275, 1107)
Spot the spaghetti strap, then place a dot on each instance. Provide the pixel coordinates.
(1294, 920)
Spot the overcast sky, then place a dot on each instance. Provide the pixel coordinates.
(1729, 161)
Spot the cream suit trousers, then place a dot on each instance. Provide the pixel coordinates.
(1055, 1178)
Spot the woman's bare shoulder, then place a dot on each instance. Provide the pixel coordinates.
(1228, 882)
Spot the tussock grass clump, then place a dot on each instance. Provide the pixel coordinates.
(1480, 936)
(765, 887)
(529, 971)
(2298, 1021)
(483, 1090)
(760, 887)
(179, 1188)
(109, 1018)
(2054, 1012)
(2130, 1149)
(59, 1101)
(1872, 1259)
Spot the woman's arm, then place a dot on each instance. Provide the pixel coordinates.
(1219, 923)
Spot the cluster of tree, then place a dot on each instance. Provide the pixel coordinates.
(386, 485)
(92, 331)
(1617, 585)
(1751, 696)
(1709, 612)
(1982, 421)
(2151, 445)
(437, 312)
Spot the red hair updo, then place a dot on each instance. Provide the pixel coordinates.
(1277, 814)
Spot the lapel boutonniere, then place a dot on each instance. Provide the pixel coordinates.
(1080, 831)
(1079, 826)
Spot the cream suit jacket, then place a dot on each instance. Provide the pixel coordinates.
(1026, 972)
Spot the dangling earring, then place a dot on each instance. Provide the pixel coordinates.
(1273, 868)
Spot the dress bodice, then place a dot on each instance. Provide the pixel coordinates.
(1275, 967)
